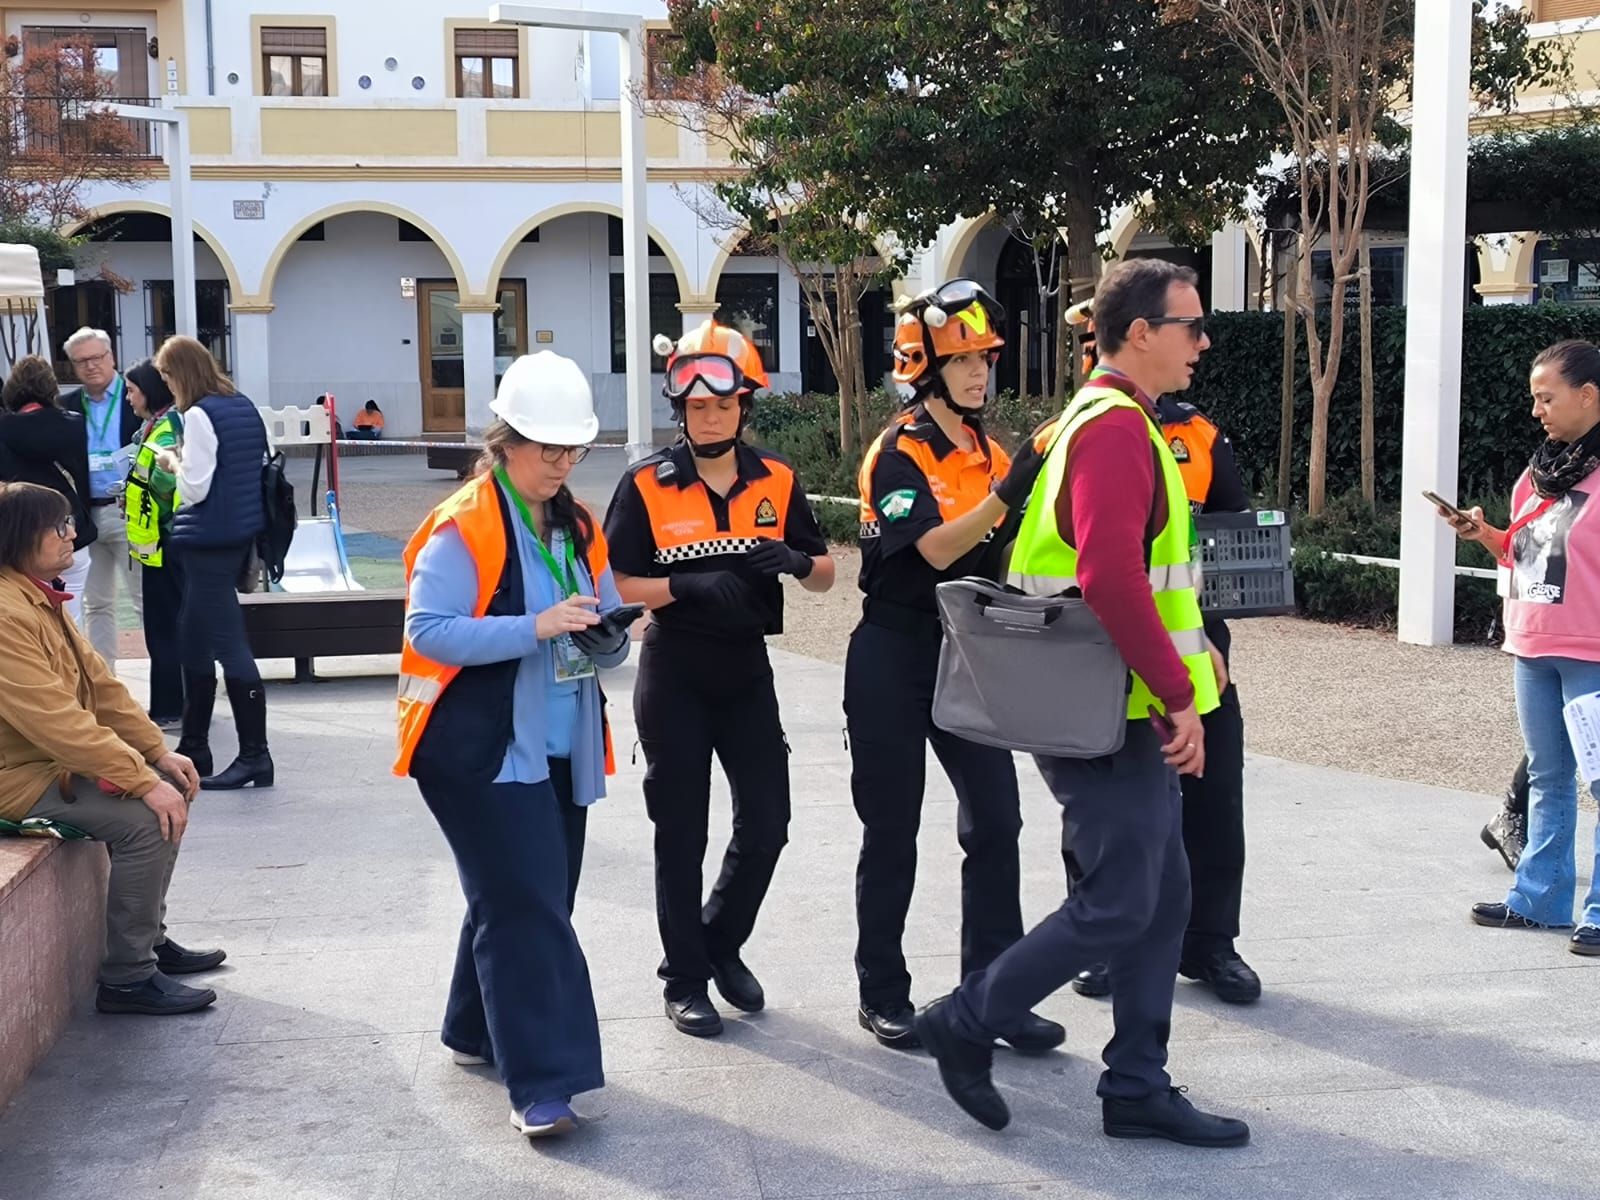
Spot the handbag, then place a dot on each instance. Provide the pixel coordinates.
(1032, 673)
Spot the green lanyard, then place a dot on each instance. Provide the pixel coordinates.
(112, 403)
(566, 580)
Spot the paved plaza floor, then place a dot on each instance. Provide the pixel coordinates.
(1398, 1052)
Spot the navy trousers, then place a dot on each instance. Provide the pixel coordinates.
(520, 995)
(1122, 815)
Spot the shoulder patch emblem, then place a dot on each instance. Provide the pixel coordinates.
(897, 505)
(1179, 448)
(766, 513)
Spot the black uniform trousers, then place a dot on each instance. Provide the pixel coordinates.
(695, 696)
(1122, 815)
(888, 702)
(163, 599)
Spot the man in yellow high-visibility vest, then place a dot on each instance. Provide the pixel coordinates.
(1109, 516)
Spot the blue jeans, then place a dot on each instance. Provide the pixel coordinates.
(1547, 877)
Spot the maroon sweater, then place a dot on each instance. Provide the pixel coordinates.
(1108, 510)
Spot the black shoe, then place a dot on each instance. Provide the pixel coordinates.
(1498, 916)
(963, 1067)
(1585, 940)
(199, 698)
(157, 996)
(695, 1015)
(738, 986)
(173, 959)
(254, 764)
(1093, 981)
(1036, 1035)
(1225, 973)
(894, 1025)
(1506, 834)
(1170, 1115)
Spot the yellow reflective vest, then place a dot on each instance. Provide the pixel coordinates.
(1043, 564)
(151, 494)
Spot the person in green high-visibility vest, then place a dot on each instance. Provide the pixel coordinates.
(148, 500)
(1109, 519)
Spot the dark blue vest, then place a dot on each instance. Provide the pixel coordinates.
(232, 512)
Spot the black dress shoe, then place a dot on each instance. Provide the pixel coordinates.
(1498, 916)
(894, 1025)
(1585, 940)
(738, 986)
(1036, 1035)
(157, 996)
(1093, 981)
(173, 959)
(1226, 974)
(964, 1067)
(695, 1015)
(1170, 1115)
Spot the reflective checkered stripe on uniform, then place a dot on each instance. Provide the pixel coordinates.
(706, 548)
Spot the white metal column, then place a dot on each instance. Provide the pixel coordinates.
(635, 246)
(1228, 287)
(1435, 284)
(175, 148)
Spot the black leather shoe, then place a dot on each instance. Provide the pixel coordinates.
(1036, 1035)
(695, 1015)
(173, 959)
(1498, 916)
(157, 996)
(1093, 981)
(1169, 1115)
(738, 986)
(964, 1067)
(894, 1025)
(1585, 940)
(1226, 974)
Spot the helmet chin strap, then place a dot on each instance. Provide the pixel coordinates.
(713, 449)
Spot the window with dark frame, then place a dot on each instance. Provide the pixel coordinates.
(211, 316)
(486, 64)
(294, 61)
(664, 318)
(749, 303)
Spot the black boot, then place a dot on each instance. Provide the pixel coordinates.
(1507, 832)
(199, 698)
(254, 764)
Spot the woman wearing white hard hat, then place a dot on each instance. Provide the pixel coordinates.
(511, 608)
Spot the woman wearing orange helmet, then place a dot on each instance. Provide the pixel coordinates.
(700, 533)
(934, 489)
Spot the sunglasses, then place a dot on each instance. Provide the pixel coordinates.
(573, 454)
(66, 527)
(964, 293)
(1196, 325)
(717, 372)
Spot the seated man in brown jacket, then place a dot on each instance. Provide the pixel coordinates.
(76, 748)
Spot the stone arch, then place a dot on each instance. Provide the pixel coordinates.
(1123, 230)
(727, 248)
(970, 228)
(572, 208)
(269, 273)
(113, 208)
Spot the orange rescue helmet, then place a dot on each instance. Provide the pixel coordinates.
(712, 360)
(958, 317)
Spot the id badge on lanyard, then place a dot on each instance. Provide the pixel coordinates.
(570, 663)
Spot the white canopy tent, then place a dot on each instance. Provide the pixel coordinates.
(22, 302)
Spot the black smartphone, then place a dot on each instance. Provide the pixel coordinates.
(1163, 726)
(1440, 502)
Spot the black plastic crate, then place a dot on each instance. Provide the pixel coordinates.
(1245, 566)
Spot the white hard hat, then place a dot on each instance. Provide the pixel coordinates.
(546, 398)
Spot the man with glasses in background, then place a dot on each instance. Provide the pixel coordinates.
(112, 424)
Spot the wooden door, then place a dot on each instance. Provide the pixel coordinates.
(439, 337)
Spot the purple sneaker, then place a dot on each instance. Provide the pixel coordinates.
(545, 1119)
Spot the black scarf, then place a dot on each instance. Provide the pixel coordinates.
(1556, 466)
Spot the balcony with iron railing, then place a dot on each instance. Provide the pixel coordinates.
(37, 129)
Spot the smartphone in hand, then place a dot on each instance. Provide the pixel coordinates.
(1439, 501)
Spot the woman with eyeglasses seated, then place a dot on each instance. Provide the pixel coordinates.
(935, 489)
(700, 534)
(511, 608)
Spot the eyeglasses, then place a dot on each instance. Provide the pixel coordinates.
(720, 374)
(89, 359)
(573, 454)
(66, 527)
(1196, 325)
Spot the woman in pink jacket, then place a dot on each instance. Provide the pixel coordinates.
(1552, 618)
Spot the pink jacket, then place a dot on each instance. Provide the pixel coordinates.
(1553, 607)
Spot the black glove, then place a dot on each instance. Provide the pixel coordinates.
(604, 638)
(772, 557)
(714, 589)
(1015, 488)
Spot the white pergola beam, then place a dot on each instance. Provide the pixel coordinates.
(175, 147)
(1435, 285)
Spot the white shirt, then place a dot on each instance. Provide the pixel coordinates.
(198, 462)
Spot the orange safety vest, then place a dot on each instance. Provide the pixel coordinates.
(684, 525)
(1191, 443)
(475, 511)
(959, 481)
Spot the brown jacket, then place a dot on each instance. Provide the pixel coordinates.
(61, 709)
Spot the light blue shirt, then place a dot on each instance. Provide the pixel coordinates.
(104, 419)
(549, 719)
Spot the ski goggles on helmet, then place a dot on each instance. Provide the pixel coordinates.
(959, 294)
(718, 373)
